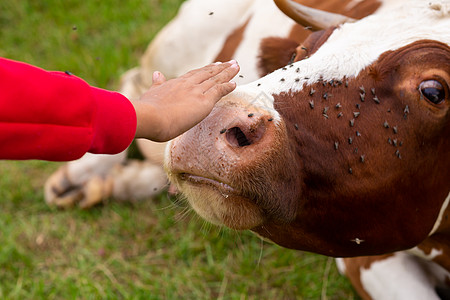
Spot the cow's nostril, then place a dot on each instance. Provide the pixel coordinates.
(237, 138)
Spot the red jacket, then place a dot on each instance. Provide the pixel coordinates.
(57, 116)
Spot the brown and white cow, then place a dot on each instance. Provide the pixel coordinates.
(343, 152)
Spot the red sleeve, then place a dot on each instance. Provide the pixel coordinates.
(56, 116)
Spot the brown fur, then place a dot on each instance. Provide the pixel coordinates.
(276, 53)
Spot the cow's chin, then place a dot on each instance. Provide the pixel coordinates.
(219, 203)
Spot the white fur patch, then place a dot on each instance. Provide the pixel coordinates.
(341, 265)
(399, 277)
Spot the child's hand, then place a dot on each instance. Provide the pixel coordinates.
(172, 107)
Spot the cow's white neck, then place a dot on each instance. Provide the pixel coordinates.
(354, 46)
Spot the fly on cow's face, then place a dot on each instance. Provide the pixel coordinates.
(325, 96)
(312, 91)
(223, 131)
(362, 89)
(395, 129)
(405, 112)
(356, 114)
(250, 115)
(270, 119)
(377, 101)
(336, 145)
(311, 104)
(373, 91)
(362, 158)
(297, 79)
(350, 140)
(357, 241)
(339, 105)
(386, 124)
(362, 96)
(340, 114)
(358, 106)
(352, 122)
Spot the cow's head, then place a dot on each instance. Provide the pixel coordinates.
(343, 153)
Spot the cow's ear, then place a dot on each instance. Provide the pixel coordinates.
(313, 43)
(275, 53)
(321, 14)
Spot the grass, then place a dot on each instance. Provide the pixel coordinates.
(148, 250)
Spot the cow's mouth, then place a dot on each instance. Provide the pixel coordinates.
(223, 188)
(220, 203)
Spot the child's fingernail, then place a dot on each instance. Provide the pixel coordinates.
(232, 62)
(234, 66)
(218, 63)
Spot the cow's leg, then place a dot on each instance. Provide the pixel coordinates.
(398, 276)
(67, 186)
(92, 180)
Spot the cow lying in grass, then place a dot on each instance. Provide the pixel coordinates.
(343, 151)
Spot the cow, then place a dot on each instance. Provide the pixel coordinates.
(342, 151)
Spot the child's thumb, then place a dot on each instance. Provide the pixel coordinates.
(158, 78)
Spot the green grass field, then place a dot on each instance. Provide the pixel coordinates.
(149, 250)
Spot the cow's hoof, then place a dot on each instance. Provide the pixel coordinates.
(60, 192)
(95, 191)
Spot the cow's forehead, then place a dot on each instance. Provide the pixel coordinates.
(354, 46)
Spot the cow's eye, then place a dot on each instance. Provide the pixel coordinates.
(433, 91)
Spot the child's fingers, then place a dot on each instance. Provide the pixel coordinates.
(199, 75)
(222, 77)
(220, 90)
